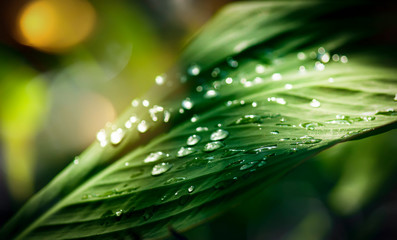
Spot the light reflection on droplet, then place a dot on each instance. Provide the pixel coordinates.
(288, 86)
(229, 80)
(142, 126)
(219, 134)
(276, 77)
(315, 103)
(301, 56)
(145, 103)
(194, 70)
(193, 140)
(210, 94)
(117, 136)
(187, 104)
(344, 59)
(259, 68)
(101, 137)
(160, 80)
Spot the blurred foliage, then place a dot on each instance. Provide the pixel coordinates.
(344, 193)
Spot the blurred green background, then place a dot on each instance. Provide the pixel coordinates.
(68, 67)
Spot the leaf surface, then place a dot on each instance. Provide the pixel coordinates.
(258, 91)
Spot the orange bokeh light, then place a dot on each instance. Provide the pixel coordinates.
(55, 25)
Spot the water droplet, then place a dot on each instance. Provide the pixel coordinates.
(194, 118)
(319, 66)
(368, 118)
(187, 104)
(160, 79)
(331, 80)
(259, 69)
(344, 59)
(175, 180)
(210, 94)
(321, 50)
(262, 163)
(302, 69)
(232, 63)
(301, 56)
(154, 156)
(276, 77)
(199, 88)
(283, 139)
(167, 116)
(193, 140)
(274, 132)
(283, 125)
(247, 119)
(145, 103)
(119, 212)
(101, 137)
(311, 125)
(154, 111)
(142, 126)
(335, 57)
(194, 70)
(219, 134)
(247, 166)
(315, 103)
(117, 136)
(135, 103)
(395, 97)
(212, 146)
(258, 150)
(254, 104)
(229, 80)
(190, 189)
(288, 86)
(215, 72)
(161, 168)
(182, 152)
(201, 129)
(325, 58)
(76, 160)
(277, 100)
(306, 140)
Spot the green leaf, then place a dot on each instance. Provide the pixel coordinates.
(260, 89)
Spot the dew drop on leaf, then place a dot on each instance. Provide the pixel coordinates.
(194, 70)
(247, 166)
(210, 94)
(190, 189)
(187, 104)
(116, 136)
(193, 140)
(315, 103)
(184, 151)
(101, 137)
(219, 134)
(212, 146)
(142, 126)
(161, 168)
(155, 156)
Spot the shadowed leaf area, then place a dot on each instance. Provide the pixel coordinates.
(262, 87)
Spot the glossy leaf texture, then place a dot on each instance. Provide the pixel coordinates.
(261, 88)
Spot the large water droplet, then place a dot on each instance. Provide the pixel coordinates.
(187, 104)
(212, 146)
(116, 136)
(161, 168)
(193, 140)
(142, 126)
(219, 134)
(155, 156)
(184, 151)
